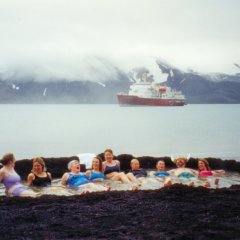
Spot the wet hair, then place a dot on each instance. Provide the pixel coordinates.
(8, 157)
(160, 161)
(108, 150)
(205, 163)
(72, 162)
(41, 162)
(100, 163)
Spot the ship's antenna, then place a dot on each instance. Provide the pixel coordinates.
(144, 76)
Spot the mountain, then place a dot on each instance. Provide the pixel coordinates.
(202, 88)
(198, 88)
(62, 91)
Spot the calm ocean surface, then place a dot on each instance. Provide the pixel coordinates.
(65, 130)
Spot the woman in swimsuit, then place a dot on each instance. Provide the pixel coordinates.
(96, 174)
(12, 180)
(111, 169)
(205, 171)
(39, 176)
(76, 179)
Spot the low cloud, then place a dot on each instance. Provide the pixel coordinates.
(92, 40)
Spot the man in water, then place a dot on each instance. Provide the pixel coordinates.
(182, 173)
(136, 170)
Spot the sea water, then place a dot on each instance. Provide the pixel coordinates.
(65, 130)
(202, 130)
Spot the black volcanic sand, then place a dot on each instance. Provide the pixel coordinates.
(176, 212)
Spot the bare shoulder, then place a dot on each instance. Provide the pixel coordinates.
(31, 175)
(2, 173)
(64, 178)
(88, 173)
(65, 175)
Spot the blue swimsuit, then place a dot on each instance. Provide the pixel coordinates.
(75, 180)
(161, 174)
(186, 175)
(110, 169)
(97, 175)
(138, 173)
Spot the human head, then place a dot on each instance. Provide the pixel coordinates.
(160, 166)
(39, 165)
(74, 165)
(203, 165)
(108, 155)
(180, 162)
(135, 165)
(8, 158)
(97, 163)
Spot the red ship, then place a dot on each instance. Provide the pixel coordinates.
(151, 94)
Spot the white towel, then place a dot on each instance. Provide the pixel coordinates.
(86, 158)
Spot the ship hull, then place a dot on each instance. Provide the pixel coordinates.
(128, 100)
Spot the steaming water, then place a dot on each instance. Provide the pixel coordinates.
(225, 180)
(65, 130)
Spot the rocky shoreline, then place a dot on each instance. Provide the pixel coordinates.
(175, 212)
(58, 165)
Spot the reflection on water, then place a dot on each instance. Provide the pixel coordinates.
(226, 181)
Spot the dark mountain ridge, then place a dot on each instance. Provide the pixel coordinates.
(198, 88)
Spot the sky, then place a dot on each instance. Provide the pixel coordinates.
(89, 38)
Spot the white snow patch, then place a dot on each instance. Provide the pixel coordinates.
(15, 87)
(44, 92)
(102, 84)
(182, 81)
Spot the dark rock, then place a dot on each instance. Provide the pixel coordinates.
(57, 166)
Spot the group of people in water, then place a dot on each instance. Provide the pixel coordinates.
(93, 179)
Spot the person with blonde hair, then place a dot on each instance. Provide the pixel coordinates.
(74, 178)
(39, 177)
(11, 180)
(136, 169)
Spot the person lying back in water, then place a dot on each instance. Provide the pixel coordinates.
(39, 177)
(182, 173)
(161, 173)
(75, 178)
(11, 180)
(136, 170)
(205, 171)
(96, 173)
(111, 169)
